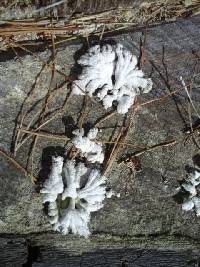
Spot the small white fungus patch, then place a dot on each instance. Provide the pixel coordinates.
(89, 148)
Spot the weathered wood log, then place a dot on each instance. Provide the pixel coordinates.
(118, 258)
(49, 250)
(145, 227)
(13, 252)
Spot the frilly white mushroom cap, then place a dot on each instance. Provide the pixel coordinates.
(85, 189)
(112, 70)
(127, 76)
(89, 148)
(97, 70)
(93, 193)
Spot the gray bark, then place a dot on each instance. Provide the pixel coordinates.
(146, 226)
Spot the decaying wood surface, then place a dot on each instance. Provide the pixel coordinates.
(146, 226)
(50, 250)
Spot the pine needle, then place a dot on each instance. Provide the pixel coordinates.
(17, 165)
(189, 97)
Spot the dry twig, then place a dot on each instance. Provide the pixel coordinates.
(115, 149)
(44, 135)
(17, 165)
(142, 49)
(53, 116)
(63, 138)
(104, 118)
(83, 111)
(150, 148)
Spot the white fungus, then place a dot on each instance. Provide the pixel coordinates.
(97, 70)
(191, 182)
(93, 193)
(190, 186)
(111, 72)
(89, 148)
(112, 193)
(53, 212)
(72, 176)
(193, 203)
(85, 188)
(54, 184)
(74, 220)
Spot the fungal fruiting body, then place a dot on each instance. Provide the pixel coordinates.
(89, 148)
(111, 72)
(85, 188)
(97, 70)
(190, 186)
(193, 203)
(53, 185)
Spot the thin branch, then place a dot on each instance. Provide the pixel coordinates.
(49, 65)
(83, 112)
(63, 138)
(17, 164)
(104, 118)
(45, 107)
(190, 99)
(150, 148)
(113, 152)
(45, 135)
(142, 49)
(23, 114)
(53, 116)
(67, 78)
(192, 130)
(46, 102)
(120, 143)
(159, 98)
(101, 35)
(119, 140)
(32, 153)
